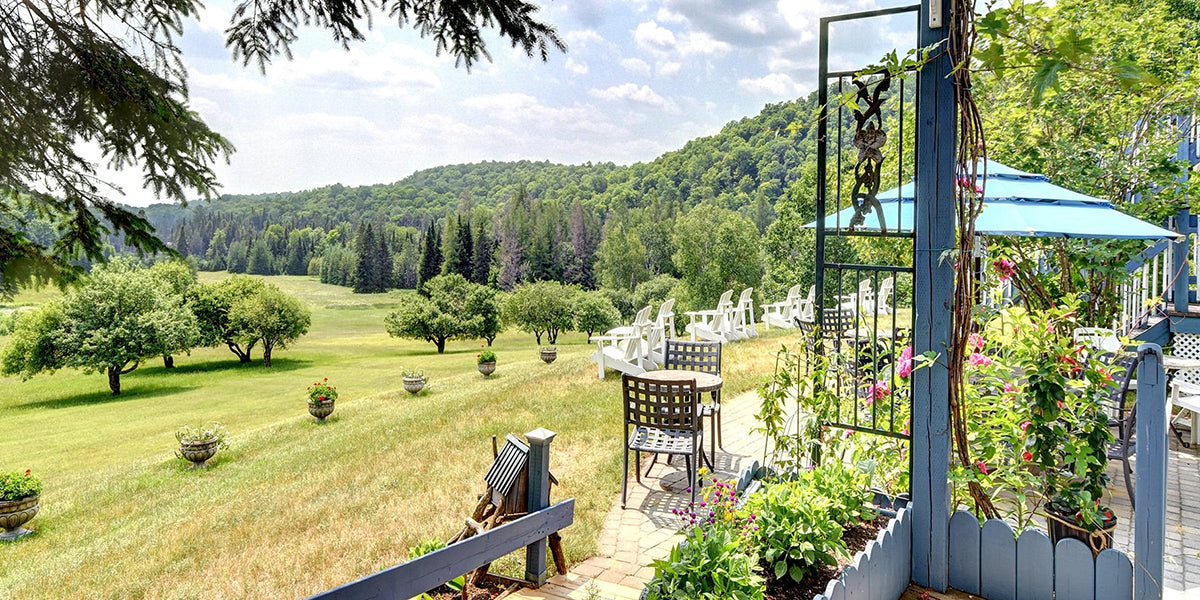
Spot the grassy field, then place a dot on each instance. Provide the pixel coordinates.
(294, 507)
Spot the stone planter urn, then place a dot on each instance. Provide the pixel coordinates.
(487, 368)
(320, 410)
(414, 385)
(14, 514)
(549, 354)
(198, 452)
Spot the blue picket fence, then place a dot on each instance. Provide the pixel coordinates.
(881, 571)
(991, 562)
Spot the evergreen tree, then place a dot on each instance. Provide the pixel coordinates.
(481, 259)
(431, 256)
(366, 260)
(181, 240)
(259, 262)
(238, 255)
(458, 258)
(383, 262)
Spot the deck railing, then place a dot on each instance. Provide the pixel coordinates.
(424, 573)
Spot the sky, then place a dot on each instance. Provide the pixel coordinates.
(639, 78)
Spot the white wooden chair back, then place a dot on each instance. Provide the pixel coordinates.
(883, 298)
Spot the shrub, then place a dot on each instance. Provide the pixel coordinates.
(846, 489)
(714, 561)
(213, 431)
(15, 485)
(487, 356)
(795, 528)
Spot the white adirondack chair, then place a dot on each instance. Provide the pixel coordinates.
(741, 319)
(661, 330)
(624, 348)
(707, 320)
(782, 314)
(862, 302)
(883, 298)
(806, 308)
(715, 330)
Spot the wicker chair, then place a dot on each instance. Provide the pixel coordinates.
(661, 419)
(702, 357)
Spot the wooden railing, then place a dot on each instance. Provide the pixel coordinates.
(431, 570)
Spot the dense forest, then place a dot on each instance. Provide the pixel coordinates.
(504, 223)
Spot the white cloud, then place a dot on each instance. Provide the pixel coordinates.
(222, 83)
(668, 68)
(581, 37)
(576, 67)
(393, 71)
(650, 36)
(636, 65)
(631, 92)
(773, 84)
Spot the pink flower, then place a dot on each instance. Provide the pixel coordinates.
(981, 466)
(979, 360)
(1025, 426)
(975, 341)
(1004, 268)
(1010, 388)
(879, 391)
(904, 363)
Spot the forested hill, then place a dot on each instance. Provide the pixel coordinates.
(751, 159)
(505, 223)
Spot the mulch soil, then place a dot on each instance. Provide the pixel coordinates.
(856, 537)
(487, 590)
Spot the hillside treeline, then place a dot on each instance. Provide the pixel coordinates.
(505, 223)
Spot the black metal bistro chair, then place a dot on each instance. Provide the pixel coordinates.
(661, 418)
(702, 357)
(1123, 416)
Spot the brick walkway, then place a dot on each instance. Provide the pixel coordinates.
(646, 530)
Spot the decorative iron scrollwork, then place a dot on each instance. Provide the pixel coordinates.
(869, 138)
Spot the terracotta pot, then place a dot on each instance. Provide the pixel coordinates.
(14, 514)
(549, 355)
(487, 368)
(1062, 525)
(414, 385)
(322, 410)
(198, 452)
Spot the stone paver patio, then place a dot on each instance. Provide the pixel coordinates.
(646, 529)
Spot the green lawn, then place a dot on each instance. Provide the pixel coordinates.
(294, 507)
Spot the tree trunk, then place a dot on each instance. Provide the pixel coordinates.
(168, 361)
(237, 350)
(114, 380)
(538, 335)
(441, 345)
(551, 336)
(267, 354)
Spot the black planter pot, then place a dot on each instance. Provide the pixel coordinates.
(1062, 525)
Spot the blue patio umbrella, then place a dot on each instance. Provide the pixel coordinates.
(1017, 203)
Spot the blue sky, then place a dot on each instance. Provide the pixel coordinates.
(639, 78)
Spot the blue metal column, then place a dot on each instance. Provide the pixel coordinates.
(1150, 514)
(1180, 250)
(933, 299)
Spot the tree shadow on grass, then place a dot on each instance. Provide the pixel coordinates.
(225, 366)
(102, 395)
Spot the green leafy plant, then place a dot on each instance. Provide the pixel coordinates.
(16, 485)
(212, 432)
(845, 487)
(320, 392)
(487, 356)
(795, 528)
(433, 545)
(1039, 433)
(712, 563)
(413, 373)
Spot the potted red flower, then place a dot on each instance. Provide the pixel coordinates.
(321, 397)
(19, 502)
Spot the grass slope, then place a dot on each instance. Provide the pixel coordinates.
(294, 507)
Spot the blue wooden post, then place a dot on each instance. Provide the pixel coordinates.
(538, 497)
(933, 281)
(1150, 516)
(1180, 249)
